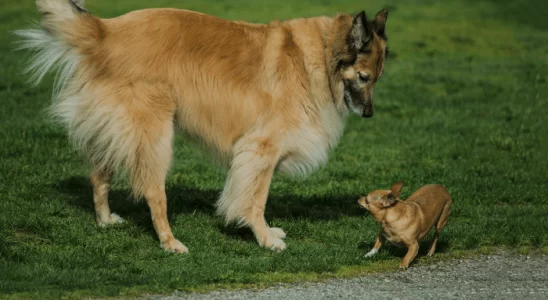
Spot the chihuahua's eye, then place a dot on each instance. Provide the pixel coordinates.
(364, 77)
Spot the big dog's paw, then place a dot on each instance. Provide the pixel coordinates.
(113, 219)
(175, 246)
(275, 244)
(277, 232)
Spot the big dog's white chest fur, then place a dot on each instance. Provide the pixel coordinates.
(307, 148)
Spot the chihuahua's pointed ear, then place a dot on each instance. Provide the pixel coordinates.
(388, 200)
(396, 188)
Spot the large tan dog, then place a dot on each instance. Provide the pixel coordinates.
(264, 96)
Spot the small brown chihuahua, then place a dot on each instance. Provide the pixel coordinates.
(406, 223)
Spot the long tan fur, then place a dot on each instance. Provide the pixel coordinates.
(265, 96)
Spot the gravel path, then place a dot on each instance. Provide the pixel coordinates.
(486, 277)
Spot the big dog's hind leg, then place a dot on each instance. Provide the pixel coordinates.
(246, 190)
(149, 168)
(100, 180)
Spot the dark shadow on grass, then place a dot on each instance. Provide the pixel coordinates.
(400, 252)
(183, 200)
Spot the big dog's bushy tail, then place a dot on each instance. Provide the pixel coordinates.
(65, 33)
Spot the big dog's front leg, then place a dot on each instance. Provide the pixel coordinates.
(246, 190)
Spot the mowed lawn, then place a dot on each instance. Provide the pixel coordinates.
(463, 103)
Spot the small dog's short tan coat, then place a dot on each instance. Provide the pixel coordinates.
(406, 223)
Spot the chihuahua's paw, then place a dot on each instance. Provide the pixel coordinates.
(277, 232)
(403, 268)
(371, 253)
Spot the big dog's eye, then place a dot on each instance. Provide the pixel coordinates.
(364, 77)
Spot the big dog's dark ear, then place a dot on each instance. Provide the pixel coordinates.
(396, 188)
(360, 33)
(379, 23)
(388, 200)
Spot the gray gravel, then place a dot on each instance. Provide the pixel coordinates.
(486, 277)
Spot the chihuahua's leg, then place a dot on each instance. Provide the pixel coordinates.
(411, 253)
(442, 221)
(440, 224)
(377, 246)
(434, 242)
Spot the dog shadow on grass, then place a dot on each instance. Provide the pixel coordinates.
(187, 201)
(394, 251)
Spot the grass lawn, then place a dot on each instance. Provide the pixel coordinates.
(464, 103)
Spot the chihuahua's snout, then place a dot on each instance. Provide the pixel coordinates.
(361, 202)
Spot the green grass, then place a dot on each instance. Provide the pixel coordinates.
(463, 103)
